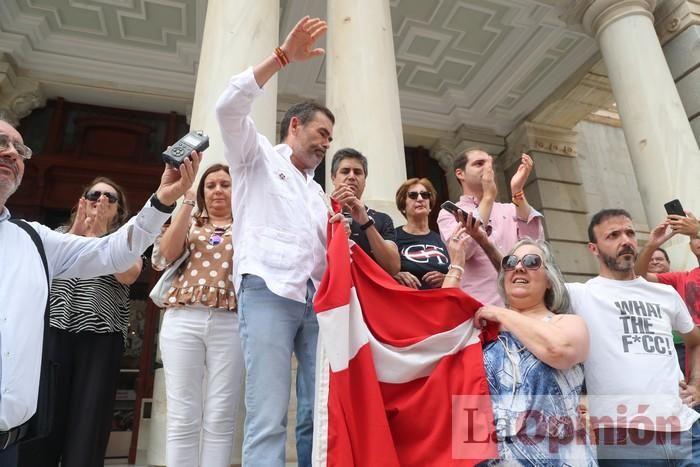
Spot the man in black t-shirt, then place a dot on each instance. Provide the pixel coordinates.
(372, 230)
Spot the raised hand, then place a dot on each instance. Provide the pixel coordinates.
(455, 246)
(97, 223)
(488, 181)
(80, 226)
(517, 183)
(299, 44)
(660, 234)
(175, 181)
(345, 196)
(686, 225)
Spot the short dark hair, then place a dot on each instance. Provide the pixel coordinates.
(347, 153)
(602, 215)
(461, 160)
(668, 260)
(305, 111)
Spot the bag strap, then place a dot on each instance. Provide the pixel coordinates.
(40, 247)
(39, 425)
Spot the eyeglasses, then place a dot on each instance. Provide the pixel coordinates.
(218, 236)
(95, 195)
(423, 194)
(531, 261)
(21, 149)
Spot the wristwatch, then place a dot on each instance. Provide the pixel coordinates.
(367, 224)
(155, 202)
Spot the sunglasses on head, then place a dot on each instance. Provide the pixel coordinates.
(415, 194)
(22, 150)
(530, 261)
(95, 195)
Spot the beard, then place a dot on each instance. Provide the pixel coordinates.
(618, 263)
(7, 189)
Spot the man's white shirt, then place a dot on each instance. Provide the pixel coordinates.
(23, 292)
(280, 214)
(632, 370)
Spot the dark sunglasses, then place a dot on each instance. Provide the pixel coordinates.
(22, 150)
(95, 195)
(531, 261)
(423, 194)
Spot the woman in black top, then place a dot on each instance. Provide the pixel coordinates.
(88, 325)
(424, 257)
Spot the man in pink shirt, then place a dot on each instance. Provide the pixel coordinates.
(505, 223)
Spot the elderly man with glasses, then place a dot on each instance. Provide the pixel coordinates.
(31, 256)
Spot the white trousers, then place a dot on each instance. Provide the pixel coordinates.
(201, 425)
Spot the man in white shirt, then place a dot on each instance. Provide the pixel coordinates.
(23, 284)
(639, 402)
(279, 237)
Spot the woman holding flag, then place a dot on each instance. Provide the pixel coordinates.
(534, 368)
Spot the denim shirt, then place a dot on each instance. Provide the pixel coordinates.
(535, 406)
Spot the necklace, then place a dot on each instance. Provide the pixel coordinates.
(218, 235)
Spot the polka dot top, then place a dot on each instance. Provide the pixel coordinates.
(205, 278)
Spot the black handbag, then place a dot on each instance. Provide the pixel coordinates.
(40, 424)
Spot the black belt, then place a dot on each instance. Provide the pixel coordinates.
(12, 436)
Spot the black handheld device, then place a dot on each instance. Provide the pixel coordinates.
(192, 141)
(452, 208)
(674, 207)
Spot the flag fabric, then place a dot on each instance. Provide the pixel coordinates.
(391, 361)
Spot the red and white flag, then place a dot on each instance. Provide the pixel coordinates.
(393, 363)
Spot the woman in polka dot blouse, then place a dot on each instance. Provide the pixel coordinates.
(200, 327)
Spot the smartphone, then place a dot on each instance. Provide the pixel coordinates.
(192, 141)
(451, 207)
(674, 207)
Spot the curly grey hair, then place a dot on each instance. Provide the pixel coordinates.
(556, 298)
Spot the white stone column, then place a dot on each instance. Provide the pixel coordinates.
(363, 93)
(237, 34)
(664, 151)
(678, 26)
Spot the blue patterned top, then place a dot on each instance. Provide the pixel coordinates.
(534, 408)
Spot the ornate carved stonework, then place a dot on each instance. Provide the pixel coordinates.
(595, 15)
(674, 16)
(18, 95)
(531, 136)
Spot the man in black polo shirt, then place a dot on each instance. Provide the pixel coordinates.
(372, 230)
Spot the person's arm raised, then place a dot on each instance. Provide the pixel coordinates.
(517, 185)
(297, 47)
(657, 237)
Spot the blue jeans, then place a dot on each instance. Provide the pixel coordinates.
(271, 328)
(678, 450)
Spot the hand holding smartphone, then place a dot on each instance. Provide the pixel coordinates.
(674, 207)
(456, 211)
